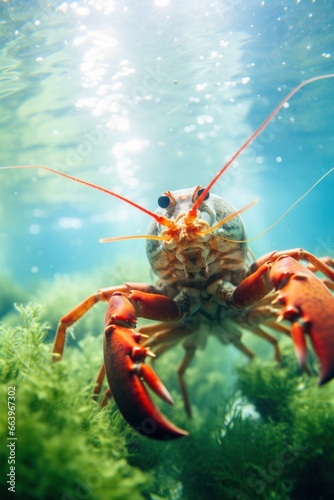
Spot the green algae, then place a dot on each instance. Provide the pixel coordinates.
(269, 436)
(66, 446)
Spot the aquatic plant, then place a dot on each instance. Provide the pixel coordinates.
(269, 437)
(66, 446)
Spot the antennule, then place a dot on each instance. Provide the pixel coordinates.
(112, 239)
(229, 217)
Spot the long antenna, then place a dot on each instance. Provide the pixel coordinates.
(255, 134)
(159, 218)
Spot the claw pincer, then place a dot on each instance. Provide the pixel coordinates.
(309, 306)
(124, 360)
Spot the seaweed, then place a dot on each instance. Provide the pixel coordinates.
(66, 446)
(281, 448)
(269, 438)
(268, 435)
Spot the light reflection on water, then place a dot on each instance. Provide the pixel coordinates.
(155, 96)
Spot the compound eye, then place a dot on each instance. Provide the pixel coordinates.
(200, 191)
(164, 201)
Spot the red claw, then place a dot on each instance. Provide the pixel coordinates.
(309, 306)
(125, 376)
(124, 360)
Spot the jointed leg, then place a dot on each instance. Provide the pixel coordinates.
(190, 353)
(99, 382)
(98, 387)
(272, 340)
(164, 333)
(163, 339)
(244, 349)
(73, 316)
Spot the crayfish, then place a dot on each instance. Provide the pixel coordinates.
(197, 246)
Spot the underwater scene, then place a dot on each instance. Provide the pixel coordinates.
(143, 98)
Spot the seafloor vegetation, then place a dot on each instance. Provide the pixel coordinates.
(267, 435)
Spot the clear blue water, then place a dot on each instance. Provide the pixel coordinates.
(147, 96)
